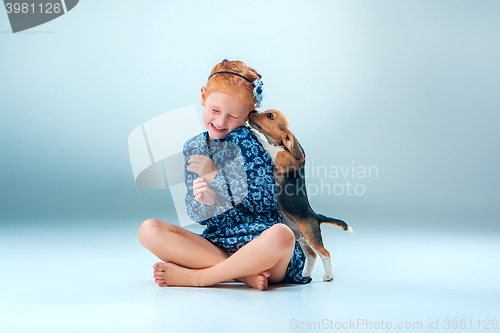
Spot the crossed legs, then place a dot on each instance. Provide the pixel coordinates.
(191, 260)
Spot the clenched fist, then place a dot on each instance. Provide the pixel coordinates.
(202, 193)
(203, 166)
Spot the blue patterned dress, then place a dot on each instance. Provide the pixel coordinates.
(246, 203)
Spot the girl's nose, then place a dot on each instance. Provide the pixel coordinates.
(221, 121)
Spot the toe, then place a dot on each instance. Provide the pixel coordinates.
(266, 273)
(159, 266)
(262, 283)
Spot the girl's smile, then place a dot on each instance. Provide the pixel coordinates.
(217, 129)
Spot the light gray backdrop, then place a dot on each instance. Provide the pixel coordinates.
(410, 87)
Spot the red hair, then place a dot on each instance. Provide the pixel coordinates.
(233, 84)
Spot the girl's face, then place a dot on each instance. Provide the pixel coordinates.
(223, 113)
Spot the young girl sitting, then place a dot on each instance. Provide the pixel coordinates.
(230, 189)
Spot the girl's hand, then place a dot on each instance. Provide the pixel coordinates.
(203, 166)
(202, 193)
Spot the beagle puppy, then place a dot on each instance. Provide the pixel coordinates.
(289, 162)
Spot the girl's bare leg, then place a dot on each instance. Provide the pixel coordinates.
(272, 251)
(174, 244)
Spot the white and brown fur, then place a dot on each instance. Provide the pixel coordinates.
(289, 162)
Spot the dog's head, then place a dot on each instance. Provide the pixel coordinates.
(274, 125)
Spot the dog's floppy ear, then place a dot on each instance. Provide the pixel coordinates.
(292, 145)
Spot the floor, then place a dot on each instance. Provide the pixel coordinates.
(96, 277)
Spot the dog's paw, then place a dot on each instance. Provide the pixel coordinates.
(328, 277)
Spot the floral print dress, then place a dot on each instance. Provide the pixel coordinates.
(246, 203)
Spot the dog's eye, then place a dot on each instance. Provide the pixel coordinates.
(270, 116)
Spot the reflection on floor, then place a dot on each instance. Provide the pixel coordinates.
(96, 277)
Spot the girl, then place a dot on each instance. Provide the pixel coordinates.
(230, 189)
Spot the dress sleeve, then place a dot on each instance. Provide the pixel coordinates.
(198, 211)
(255, 189)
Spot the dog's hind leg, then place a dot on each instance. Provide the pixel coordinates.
(310, 257)
(327, 263)
(308, 252)
(312, 235)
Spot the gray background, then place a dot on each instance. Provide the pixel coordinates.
(408, 86)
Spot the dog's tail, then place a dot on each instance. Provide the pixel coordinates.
(334, 222)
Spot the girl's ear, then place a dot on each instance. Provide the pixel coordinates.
(203, 96)
(248, 116)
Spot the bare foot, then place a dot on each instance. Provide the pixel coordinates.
(257, 281)
(170, 274)
(158, 278)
